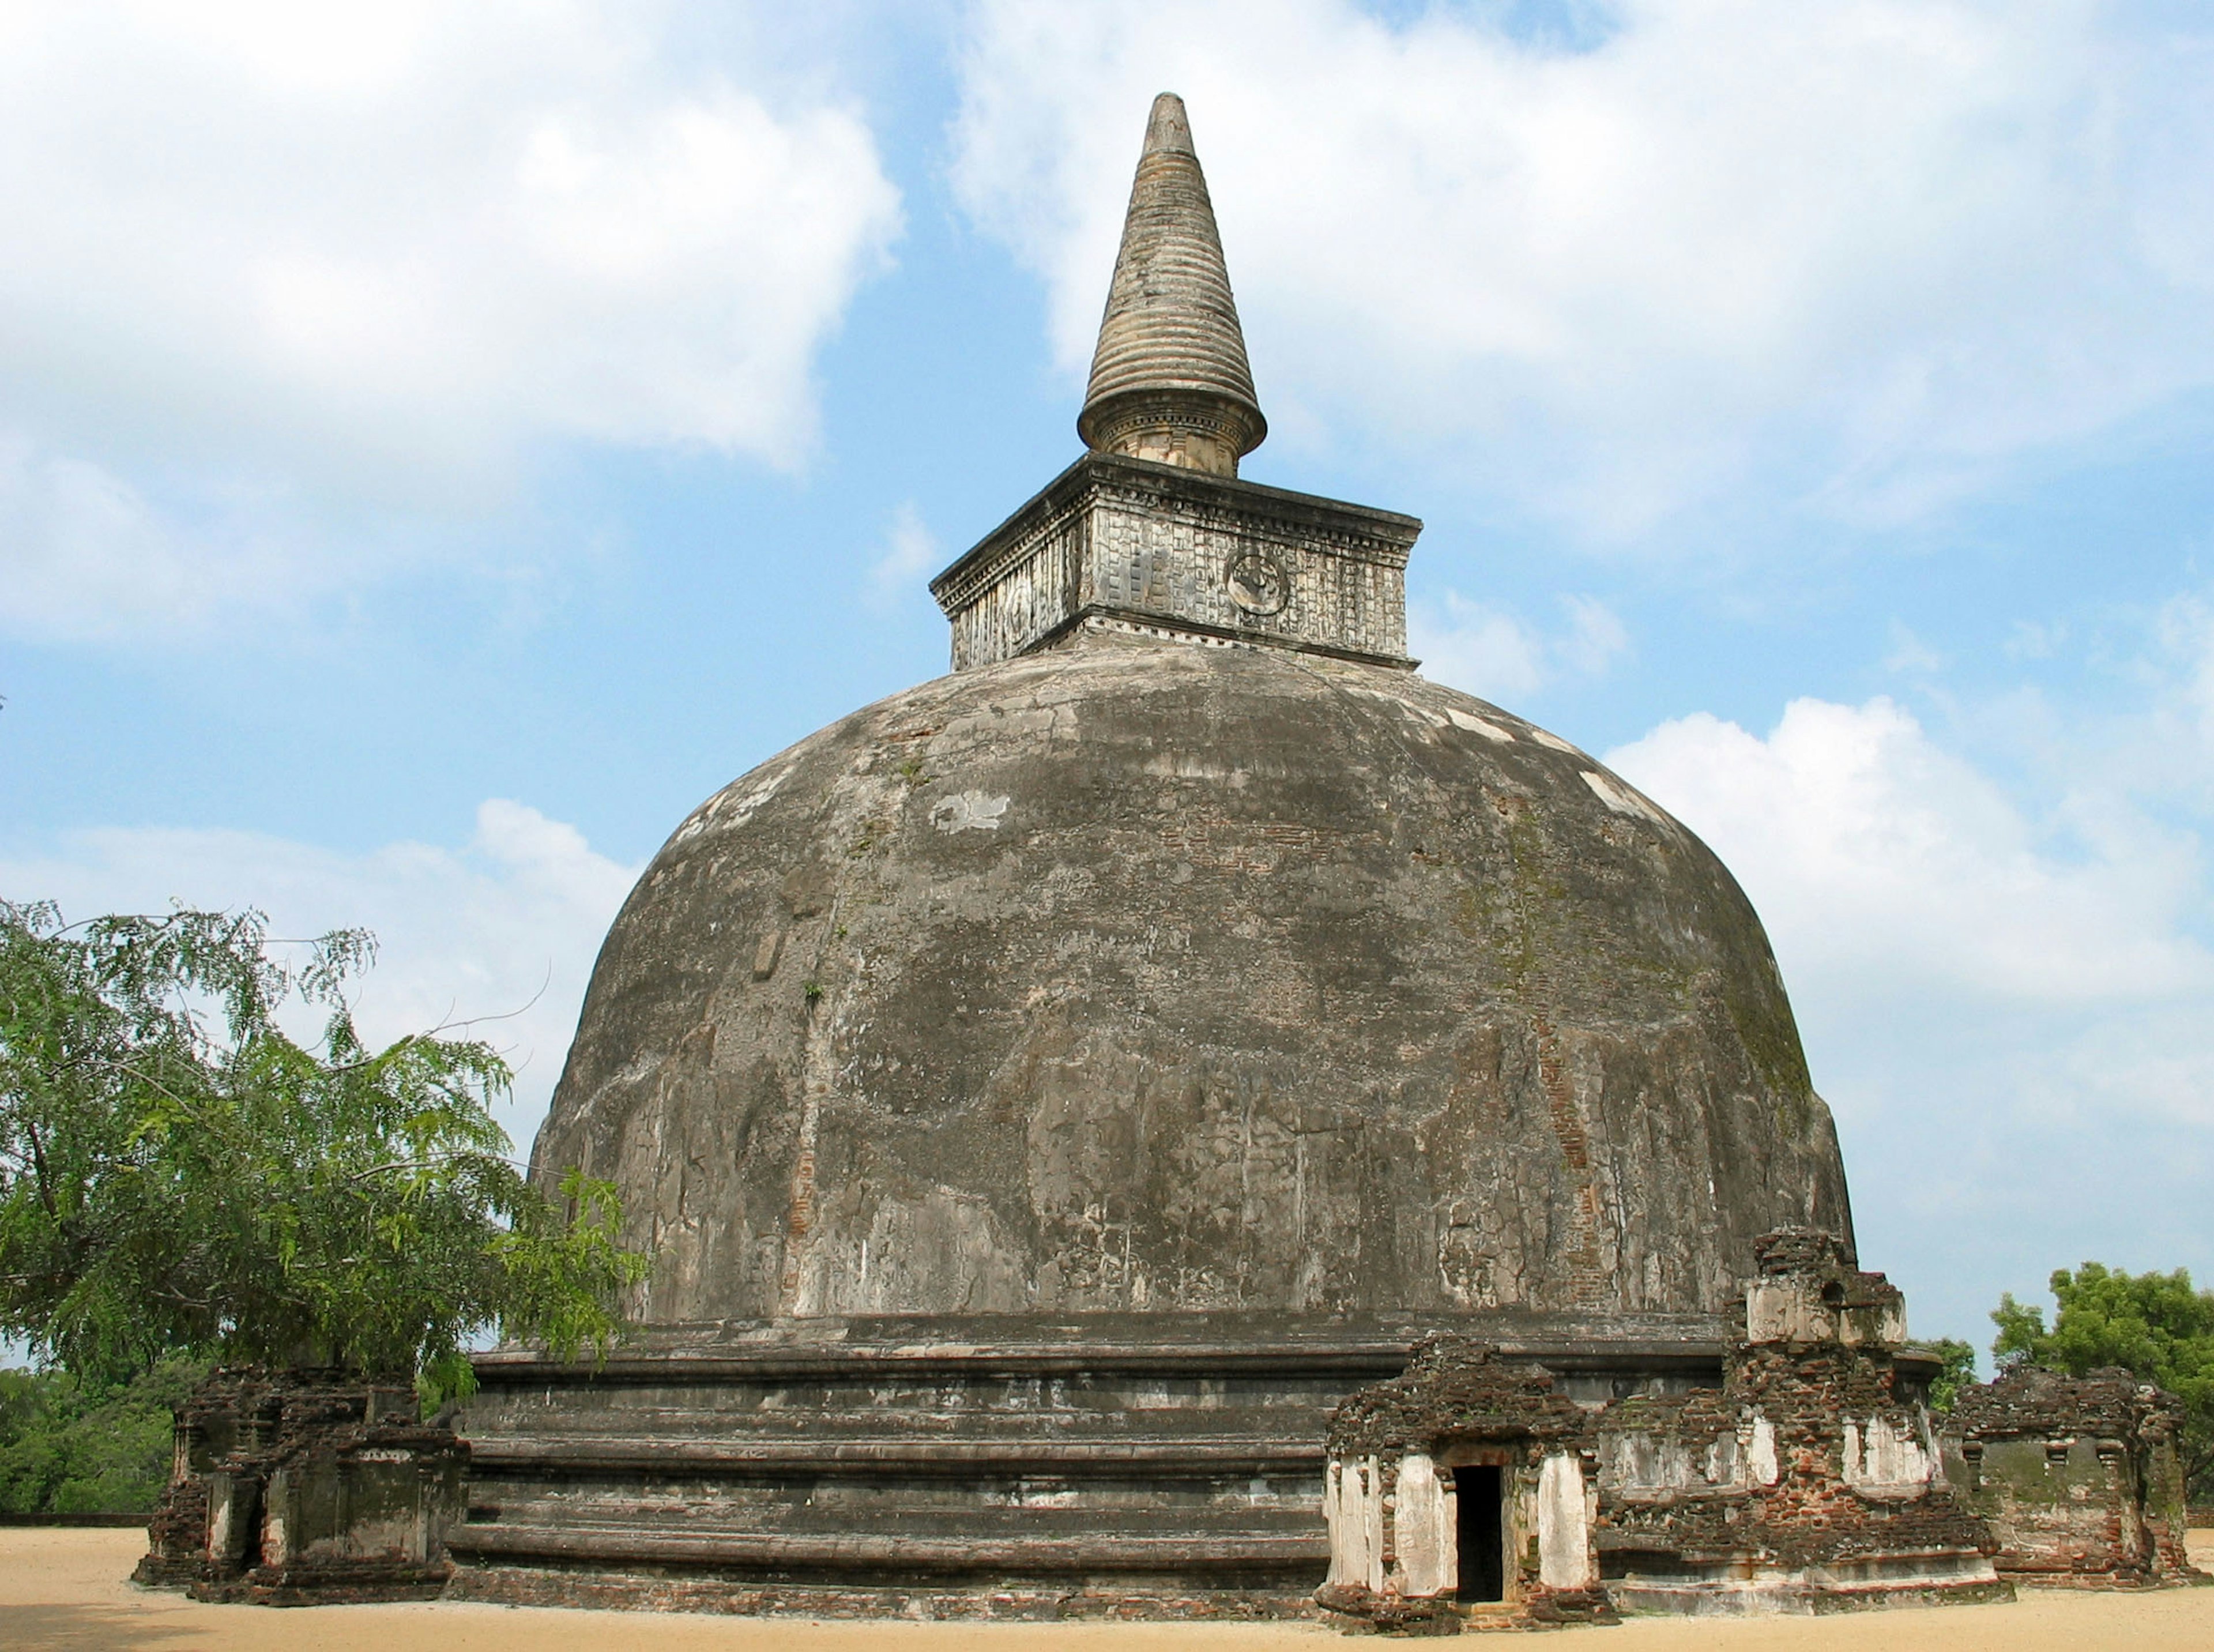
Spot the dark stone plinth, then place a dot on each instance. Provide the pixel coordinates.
(1119, 1466)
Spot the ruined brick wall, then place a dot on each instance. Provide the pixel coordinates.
(1809, 1477)
(2077, 1476)
(1808, 1457)
(293, 1487)
(1392, 1505)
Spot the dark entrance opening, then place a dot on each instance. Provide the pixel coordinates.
(1481, 1538)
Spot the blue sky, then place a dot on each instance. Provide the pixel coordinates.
(440, 446)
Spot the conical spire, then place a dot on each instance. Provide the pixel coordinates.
(1170, 379)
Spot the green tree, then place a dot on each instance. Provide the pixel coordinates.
(180, 1176)
(2155, 1325)
(1959, 1367)
(69, 1447)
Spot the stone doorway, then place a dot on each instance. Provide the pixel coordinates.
(1480, 1533)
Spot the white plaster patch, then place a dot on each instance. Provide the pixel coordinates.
(1553, 740)
(1422, 1530)
(1760, 1455)
(1475, 725)
(1620, 798)
(1884, 1456)
(1564, 1525)
(1422, 714)
(966, 811)
(731, 806)
(1372, 1524)
(1645, 1462)
(1191, 766)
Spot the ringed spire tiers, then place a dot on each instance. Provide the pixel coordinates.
(1169, 379)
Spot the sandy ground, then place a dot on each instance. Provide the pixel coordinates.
(65, 1589)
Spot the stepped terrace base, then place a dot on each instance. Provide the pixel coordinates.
(695, 1591)
(1105, 1467)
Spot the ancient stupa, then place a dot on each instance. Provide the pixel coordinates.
(1049, 1090)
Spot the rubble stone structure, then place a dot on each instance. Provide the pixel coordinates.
(1807, 1480)
(2078, 1476)
(1048, 1092)
(295, 1488)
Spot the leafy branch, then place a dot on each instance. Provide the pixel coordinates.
(178, 1175)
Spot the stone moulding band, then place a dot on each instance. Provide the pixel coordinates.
(1138, 622)
(1122, 1552)
(1359, 532)
(505, 1368)
(770, 1457)
(1233, 420)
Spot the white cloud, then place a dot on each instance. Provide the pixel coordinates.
(1500, 656)
(376, 253)
(1595, 637)
(911, 555)
(2012, 1012)
(2035, 640)
(1884, 866)
(506, 925)
(85, 554)
(1910, 655)
(1860, 253)
(2185, 633)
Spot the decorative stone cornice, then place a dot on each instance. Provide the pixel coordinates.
(1137, 545)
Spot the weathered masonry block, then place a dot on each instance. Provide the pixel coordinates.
(2077, 1476)
(300, 1488)
(1805, 1482)
(1115, 543)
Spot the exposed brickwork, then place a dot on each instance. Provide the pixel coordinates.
(1455, 1387)
(297, 1488)
(2077, 1476)
(1806, 1481)
(176, 1552)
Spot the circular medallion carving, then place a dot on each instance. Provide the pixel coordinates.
(1257, 583)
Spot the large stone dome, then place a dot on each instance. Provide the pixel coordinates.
(1144, 976)
(1050, 1092)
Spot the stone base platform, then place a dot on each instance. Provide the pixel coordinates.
(1102, 1601)
(1928, 1580)
(1110, 1466)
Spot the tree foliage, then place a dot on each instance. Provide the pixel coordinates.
(180, 1175)
(1959, 1367)
(2155, 1325)
(72, 1446)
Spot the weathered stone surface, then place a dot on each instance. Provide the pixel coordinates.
(1169, 379)
(1124, 1464)
(2077, 1476)
(1155, 978)
(304, 1488)
(1148, 550)
(1048, 1092)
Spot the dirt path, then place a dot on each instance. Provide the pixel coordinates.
(63, 1589)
